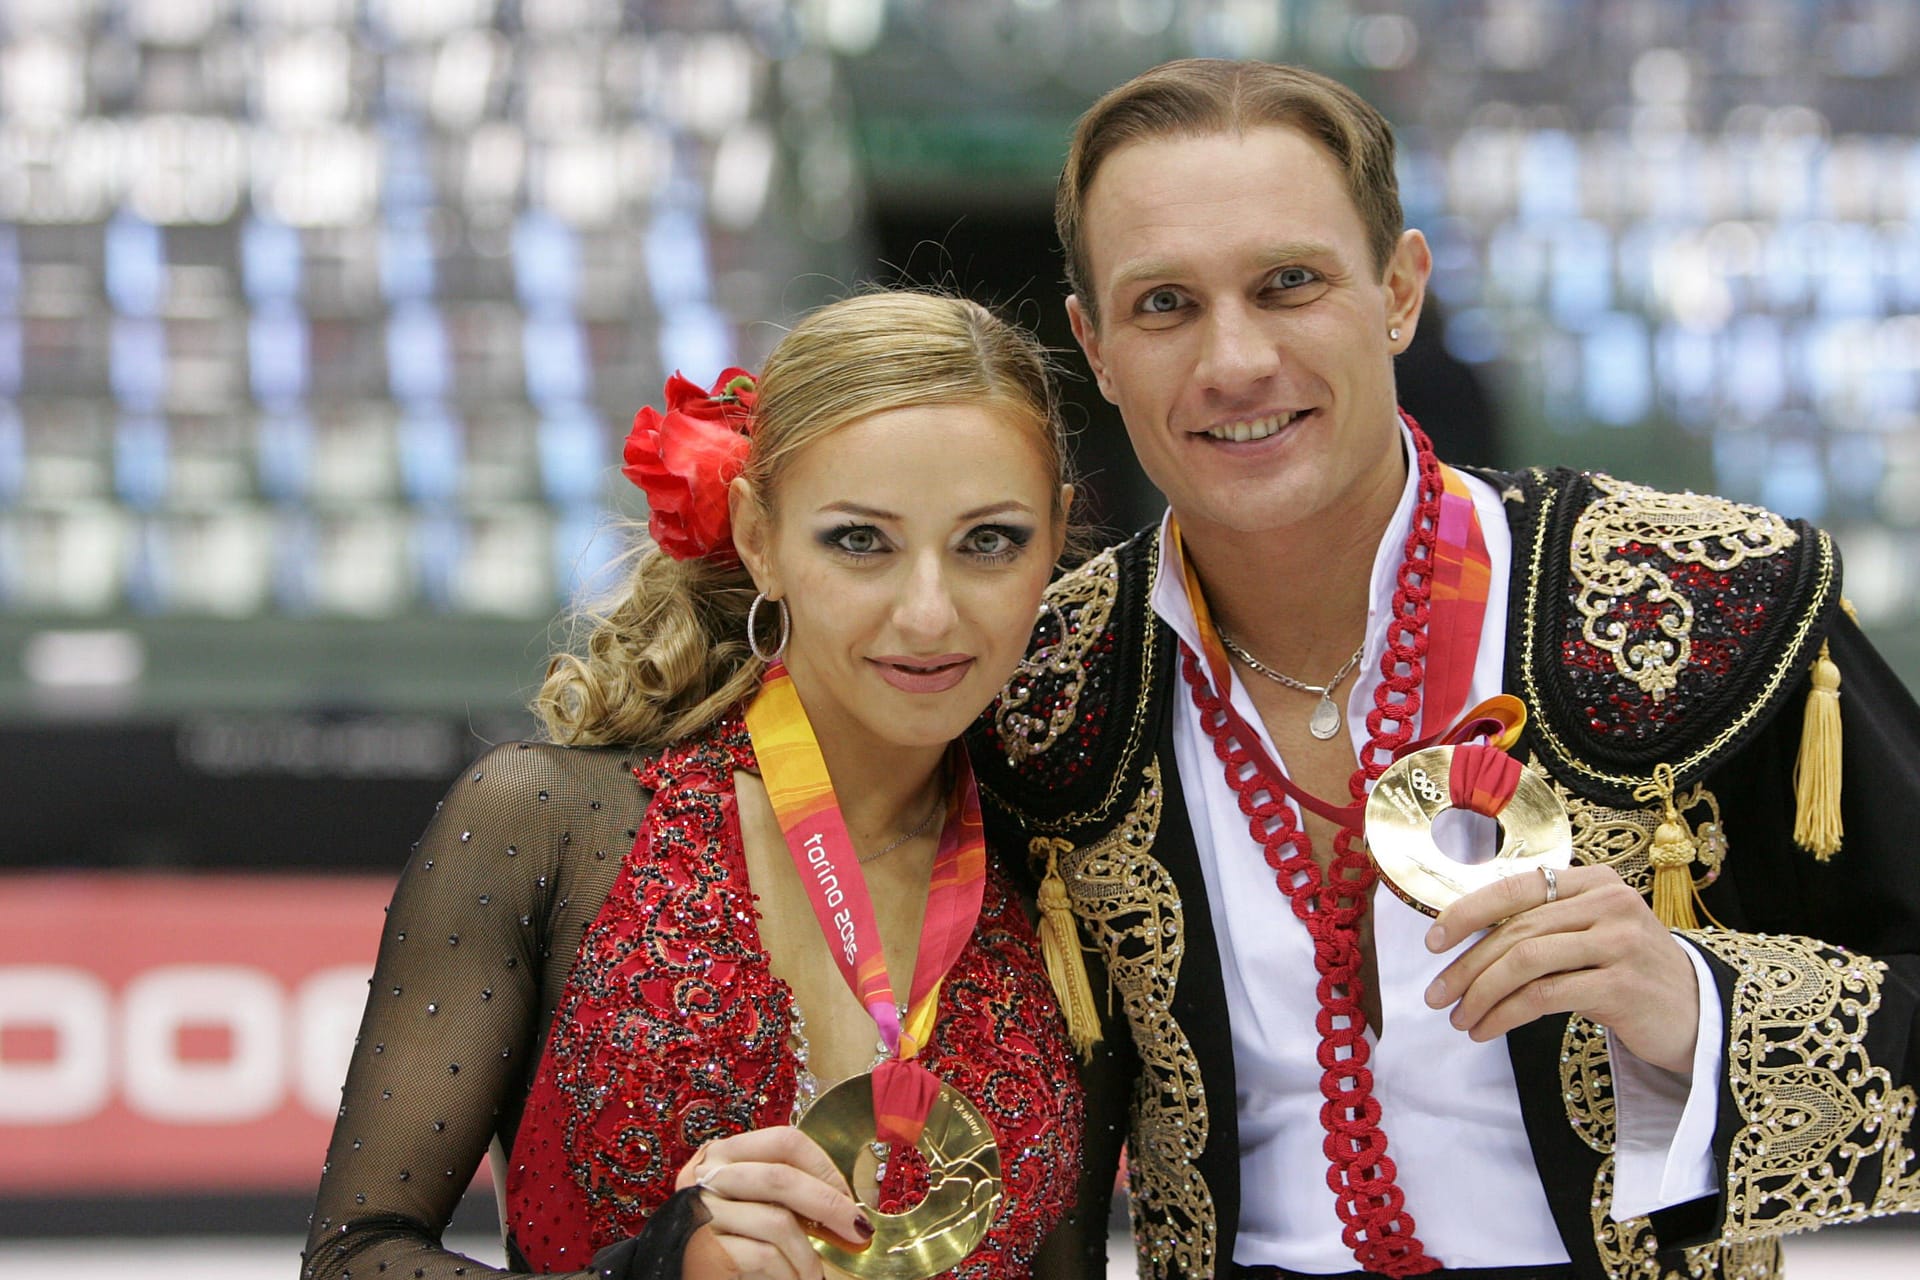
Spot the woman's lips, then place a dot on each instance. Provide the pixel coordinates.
(924, 675)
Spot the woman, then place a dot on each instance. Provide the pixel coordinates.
(599, 956)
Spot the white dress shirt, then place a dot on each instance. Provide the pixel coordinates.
(1449, 1106)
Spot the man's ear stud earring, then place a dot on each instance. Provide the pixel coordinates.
(1393, 335)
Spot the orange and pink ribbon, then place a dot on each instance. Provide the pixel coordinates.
(808, 811)
(1462, 573)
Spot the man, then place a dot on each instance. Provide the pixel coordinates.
(1550, 1079)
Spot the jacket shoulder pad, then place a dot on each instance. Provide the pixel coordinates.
(1058, 741)
(1649, 627)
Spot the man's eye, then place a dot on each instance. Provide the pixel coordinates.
(1160, 301)
(1292, 277)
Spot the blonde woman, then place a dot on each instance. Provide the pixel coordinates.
(629, 961)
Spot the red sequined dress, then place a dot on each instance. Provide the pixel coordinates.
(660, 1027)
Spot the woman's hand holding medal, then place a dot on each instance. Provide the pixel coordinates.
(766, 1191)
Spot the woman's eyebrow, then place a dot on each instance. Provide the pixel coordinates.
(876, 513)
(996, 508)
(864, 512)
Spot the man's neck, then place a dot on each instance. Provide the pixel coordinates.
(1296, 597)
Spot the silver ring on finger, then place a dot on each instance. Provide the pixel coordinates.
(1553, 883)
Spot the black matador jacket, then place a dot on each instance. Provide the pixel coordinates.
(1645, 628)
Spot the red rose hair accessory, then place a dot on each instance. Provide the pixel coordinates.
(685, 458)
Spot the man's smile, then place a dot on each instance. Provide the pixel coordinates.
(1247, 430)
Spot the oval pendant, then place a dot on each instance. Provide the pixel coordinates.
(1326, 719)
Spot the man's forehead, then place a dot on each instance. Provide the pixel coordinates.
(1285, 148)
(1148, 214)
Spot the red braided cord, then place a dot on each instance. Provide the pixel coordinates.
(1374, 1222)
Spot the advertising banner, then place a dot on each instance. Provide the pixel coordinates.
(176, 1034)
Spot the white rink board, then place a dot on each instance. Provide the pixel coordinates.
(1854, 1255)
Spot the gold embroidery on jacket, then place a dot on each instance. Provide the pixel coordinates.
(1817, 1114)
(1537, 649)
(1627, 1248)
(1080, 605)
(1586, 1083)
(1688, 528)
(1622, 838)
(1130, 908)
(1073, 619)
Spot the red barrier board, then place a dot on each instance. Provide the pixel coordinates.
(177, 1034)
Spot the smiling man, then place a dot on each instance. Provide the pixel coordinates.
(1553, 1079)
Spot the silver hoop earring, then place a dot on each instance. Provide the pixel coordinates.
(753, 632)
(1393, 335)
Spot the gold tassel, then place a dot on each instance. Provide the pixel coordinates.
(1672, 858)
(1671, 855)
(1816, 774)
(1060, 950)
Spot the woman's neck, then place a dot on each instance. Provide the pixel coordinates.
(884, 789)
(885, 793)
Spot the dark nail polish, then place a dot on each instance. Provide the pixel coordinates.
(864, 1227)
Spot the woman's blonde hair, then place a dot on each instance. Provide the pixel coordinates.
(667, 655)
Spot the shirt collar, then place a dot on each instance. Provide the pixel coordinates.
(1169, 597)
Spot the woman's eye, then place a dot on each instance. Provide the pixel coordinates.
(1160, 301)
(991, 543)
(859, 540)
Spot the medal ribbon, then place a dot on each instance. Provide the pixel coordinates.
(1483, 779)
(809, 815)
(1462, 579)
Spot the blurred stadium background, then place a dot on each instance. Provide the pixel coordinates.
(321, 322)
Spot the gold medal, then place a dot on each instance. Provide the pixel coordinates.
(963, 1191)
(1534, 831)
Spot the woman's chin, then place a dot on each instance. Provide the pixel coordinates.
(919, 722)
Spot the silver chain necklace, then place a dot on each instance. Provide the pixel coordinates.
(939, 806)
(1325, 721)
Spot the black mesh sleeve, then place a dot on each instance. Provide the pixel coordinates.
(474, 953)
(656, 1253)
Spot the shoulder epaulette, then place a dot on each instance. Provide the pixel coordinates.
(1069, 728)
(1651, 628)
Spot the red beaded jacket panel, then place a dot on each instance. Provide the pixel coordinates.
(673, 1030)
